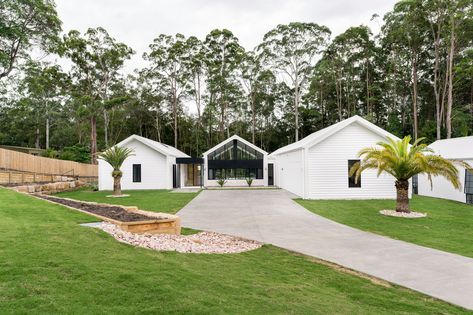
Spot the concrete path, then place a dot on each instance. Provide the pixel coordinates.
(271, 216)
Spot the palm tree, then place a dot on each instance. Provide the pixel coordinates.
(402, 160)
(115, 156)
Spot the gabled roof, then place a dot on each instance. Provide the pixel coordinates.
(157, 146)
(235, 137)
(455, 148)
(322, 134)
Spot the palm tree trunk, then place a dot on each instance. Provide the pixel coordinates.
(402, 198)
(117, 187)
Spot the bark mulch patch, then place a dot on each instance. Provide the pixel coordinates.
(112, 212)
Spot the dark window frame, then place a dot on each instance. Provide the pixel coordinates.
(136, 173)
(469, 199)
(351, 179)
(468, 182)
(235, 173)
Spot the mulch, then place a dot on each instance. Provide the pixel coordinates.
(112, 212)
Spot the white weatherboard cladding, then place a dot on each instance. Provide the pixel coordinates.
(327, 167)
(156, 169)
(289, 171)
(442, 188)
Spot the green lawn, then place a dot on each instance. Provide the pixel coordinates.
(50, 264)
(448, 226)
(151, 200)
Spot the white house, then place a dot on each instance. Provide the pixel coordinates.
(452, 149)
(317, 166)
(235, 160)
(154, 165)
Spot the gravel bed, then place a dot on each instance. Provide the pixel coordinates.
(112, 212)
(411, 215)
(200, 243)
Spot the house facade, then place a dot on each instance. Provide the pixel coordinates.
(317, 167)
(153, 166)
(234, 160)
(453, 149)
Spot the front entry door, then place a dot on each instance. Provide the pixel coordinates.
(270, 174)
(193, 175)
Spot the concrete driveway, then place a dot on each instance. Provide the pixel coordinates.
(271, 216)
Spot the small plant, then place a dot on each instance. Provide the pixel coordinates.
(249, 181)
(221, 181)
(115, 156)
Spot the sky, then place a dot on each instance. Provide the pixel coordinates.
(138, 22)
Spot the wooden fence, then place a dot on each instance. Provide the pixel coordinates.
(17, 167)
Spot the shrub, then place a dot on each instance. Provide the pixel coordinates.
(221, 181)
(249, 181)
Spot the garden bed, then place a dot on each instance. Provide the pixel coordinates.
(129, 219)
(108, 211)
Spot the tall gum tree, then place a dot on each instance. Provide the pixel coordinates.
(223, 57)
(167, 65)
(25, 24)
(407, 27)
(97, 59)
(291, 51)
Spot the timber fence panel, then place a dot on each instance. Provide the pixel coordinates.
(18, 161)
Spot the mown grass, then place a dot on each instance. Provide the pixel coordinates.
(49, 264)
(151, 200)
(447, 227)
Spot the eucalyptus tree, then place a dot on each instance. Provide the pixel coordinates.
(460, 16)
(349, 62)
(406, 26)
(46, 86)
(291, 51)
(223, 57)
(97, 59)
(258, 84)
(167, 67)
(24, 24)
(196, 68)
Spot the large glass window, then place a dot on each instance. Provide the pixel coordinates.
(352, 183)
(235, 150)
(235, 173)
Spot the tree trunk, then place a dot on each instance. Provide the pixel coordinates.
(253, 119)
(117, 187)
(47, 133)
(174, 111)
(37, 138)
(402, 198)
(296, 108)
(448, 119)
(414, 95)
(93, 139)
(105, 122)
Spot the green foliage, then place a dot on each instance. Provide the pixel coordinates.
(51, 153)
(221, 181)
(115, 156)
(75, 153)
(402, 160)
(24, 24)
(296, 81)
(249, 181)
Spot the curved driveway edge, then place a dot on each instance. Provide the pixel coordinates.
(272, 217)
